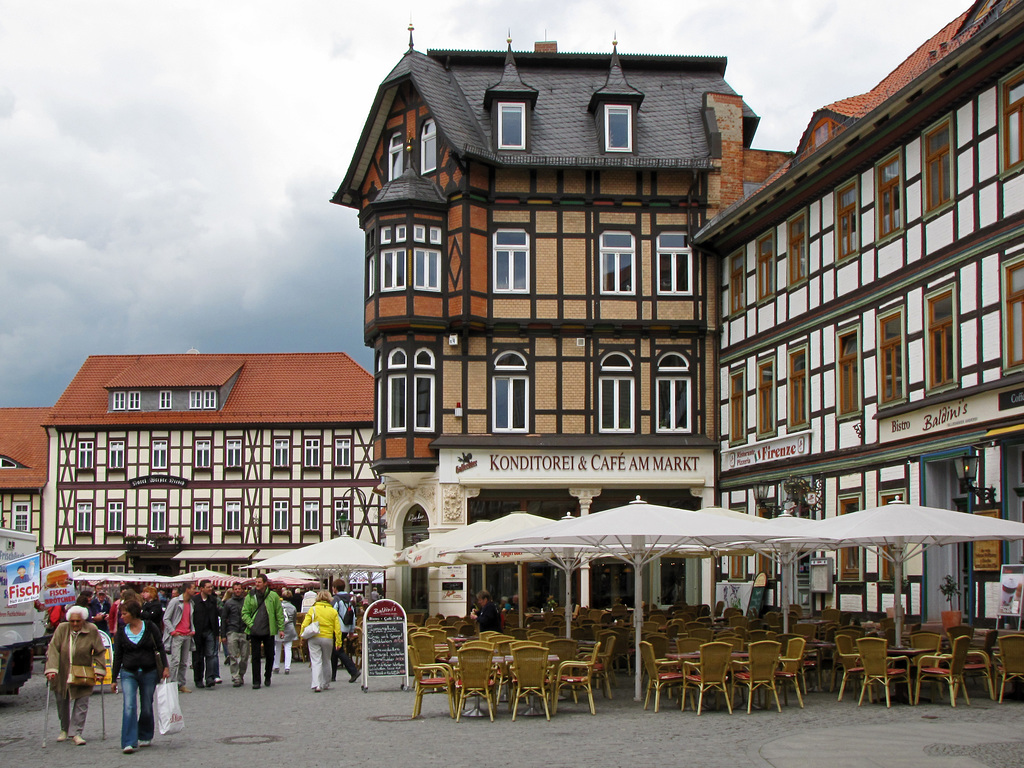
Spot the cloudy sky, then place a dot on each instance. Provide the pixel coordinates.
(165, 168)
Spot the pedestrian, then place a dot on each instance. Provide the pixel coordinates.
(308, 598)
(342, 603)
(283, 645)
(486, 613)
(206, 620)
(264, 618)
(140, 660)
(75, 661)
(374, 595)
(114, 621)
(321, 645)
(152, 608)
(179, 629)
(99, 609)
(232, 630)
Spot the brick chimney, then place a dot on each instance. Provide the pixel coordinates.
(545, 46)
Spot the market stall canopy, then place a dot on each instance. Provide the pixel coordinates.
(218, 579)
(342, 554)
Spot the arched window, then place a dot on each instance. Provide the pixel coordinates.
(615, 387)
(428, 147)
(510, 393)
(673, 393)
(423, 384)
(395, 161)
(397, 388)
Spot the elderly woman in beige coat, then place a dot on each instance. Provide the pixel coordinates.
(74, 642)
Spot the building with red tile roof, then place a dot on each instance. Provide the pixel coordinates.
(165, 463)
(23, 467)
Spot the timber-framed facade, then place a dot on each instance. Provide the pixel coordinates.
(168, 463)
(23, 468)
(545, 337)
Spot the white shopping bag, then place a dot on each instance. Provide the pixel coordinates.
(167, 710)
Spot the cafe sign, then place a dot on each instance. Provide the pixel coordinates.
(952, 414)
(777, 449)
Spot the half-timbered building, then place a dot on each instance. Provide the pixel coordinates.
(23, 468)
(871, 310)
(545, 338)
(166, 463)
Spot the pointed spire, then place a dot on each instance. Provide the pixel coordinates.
(411, 28)
(616, 87)
(511, 84)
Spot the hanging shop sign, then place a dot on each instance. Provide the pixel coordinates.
(765, 451)
(952, 414)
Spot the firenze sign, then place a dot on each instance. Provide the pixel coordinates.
(565, 466)
(779, 449)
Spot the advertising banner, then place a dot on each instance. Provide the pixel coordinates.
(23, 580)
(58, 586)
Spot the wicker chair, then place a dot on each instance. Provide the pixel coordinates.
(660, 642)
(710, 673)
(430, 678)
(661, 673)
(603, 670)
(688, 644)
(791, 667)
(703, 633)
(476, 676)
(738, 621)
(576, 675)
(423, 642)
(847, 659)
(758, 671)
(979, 662)
(948, 667)
(878, 668)
(565, 650)
(1011, 661)
(529, 676)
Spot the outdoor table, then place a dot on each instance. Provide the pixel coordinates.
(695, 656)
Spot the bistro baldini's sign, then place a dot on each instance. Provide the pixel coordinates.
(573, 463)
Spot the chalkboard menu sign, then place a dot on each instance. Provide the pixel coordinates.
(756, 601)
(384, 642)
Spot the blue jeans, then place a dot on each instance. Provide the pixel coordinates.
(205, 662)
(137, 689)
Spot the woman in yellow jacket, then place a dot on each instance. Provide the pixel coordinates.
(321, 646)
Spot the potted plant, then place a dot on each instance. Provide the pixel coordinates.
(950, 589)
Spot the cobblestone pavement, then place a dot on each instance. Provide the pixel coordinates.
(288, 725)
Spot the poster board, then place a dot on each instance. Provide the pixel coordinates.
(1011, 604)
(988, 555)
(385, 653)
(756, 601)
(58, 584)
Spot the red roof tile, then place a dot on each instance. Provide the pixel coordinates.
(271, 388)
(23, 438)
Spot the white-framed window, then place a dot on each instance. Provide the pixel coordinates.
(511, 261)
(202, 399)
(165, 399)
(83, 517)
(311, 452)
(385, 235)
(233, 452)
(158, 455)
(134, 400)
(343, 452)
(396, 404)
(428, 147)
(115, 517)
(233, 515)
(6, 463)
(616, 394)
(673, 394)
(617, 250)
(511, 125)
(435, 235)
(210, 399)
(202, 454)
(86, 454)
(424, 402)
(21, 516)
(400, 233)
(675, 261)
(392, 270)
(419, 233)
(201, 516)
(115, 454)
(618, 128)
(371, 275)
(427, 270)
(158, 517)
(342, 516)
(510, 393)
(118, 401)
(282, 449)
(396, 164)
(311, 515)
(280, 519)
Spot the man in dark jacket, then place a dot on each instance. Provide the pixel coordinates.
(206, 616)
(486, 614)
(232, 630)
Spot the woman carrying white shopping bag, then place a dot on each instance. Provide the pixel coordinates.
(324, 618)
(140, 659)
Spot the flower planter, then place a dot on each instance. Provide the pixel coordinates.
(951, 619)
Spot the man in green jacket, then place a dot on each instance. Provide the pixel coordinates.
(264, 618)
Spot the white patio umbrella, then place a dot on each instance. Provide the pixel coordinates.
(637, 533)
(216, 577)
(459, 546)
(901, 531)
(342, 554)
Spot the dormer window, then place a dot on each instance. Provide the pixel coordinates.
(6, 463)
(511, 125)
(428, 147)
(118, 401)
(202, 399)
(618, 128)
(395, 166)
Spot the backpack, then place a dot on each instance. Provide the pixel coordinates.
(348, 616)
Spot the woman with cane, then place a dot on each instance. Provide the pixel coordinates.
(75, 662)
(140, 658)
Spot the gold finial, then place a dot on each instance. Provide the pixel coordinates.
(615, 41)
(509, 38)
(411, 28)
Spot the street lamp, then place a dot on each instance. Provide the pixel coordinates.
(762, 494)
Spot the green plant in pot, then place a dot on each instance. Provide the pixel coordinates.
(950, 589)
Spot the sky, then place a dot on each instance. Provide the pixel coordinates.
(166, 168)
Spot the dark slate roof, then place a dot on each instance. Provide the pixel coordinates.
(454, 85)
(511, 84)
(410, 187)
(616, 86)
